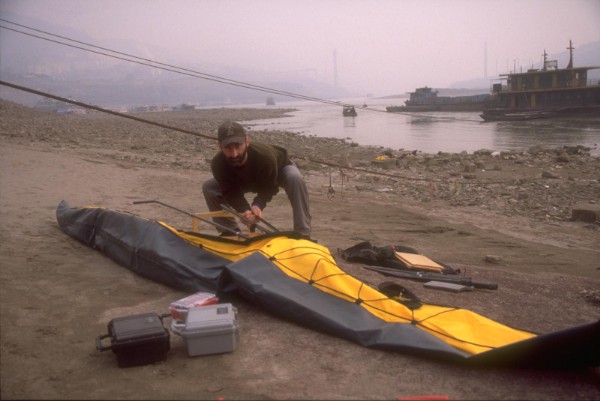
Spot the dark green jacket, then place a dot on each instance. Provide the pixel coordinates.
(259, 175)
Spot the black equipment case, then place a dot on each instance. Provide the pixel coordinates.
(137, 339)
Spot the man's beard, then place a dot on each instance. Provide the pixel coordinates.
(237, 161)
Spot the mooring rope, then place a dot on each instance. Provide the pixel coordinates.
(142, 120)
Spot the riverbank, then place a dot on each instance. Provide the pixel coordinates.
(501, 217)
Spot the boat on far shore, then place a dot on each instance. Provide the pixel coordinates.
(427, 99)
(349, 111)
(549, 92)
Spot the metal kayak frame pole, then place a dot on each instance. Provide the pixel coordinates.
(247, 220)
(222, 227)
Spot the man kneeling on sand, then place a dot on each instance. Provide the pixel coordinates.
(241, 167)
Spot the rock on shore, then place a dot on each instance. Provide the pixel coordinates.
(538, 183)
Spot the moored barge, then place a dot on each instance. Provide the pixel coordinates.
(427, 99)
(548, 92)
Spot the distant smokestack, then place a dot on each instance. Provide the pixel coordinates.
(335, 76)
(485, 61)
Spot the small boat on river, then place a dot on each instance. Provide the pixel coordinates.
(349, 111)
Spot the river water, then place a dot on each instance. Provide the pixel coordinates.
(429, 132)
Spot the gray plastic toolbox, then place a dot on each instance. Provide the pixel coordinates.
(210, 329)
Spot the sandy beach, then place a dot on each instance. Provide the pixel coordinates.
(506, 218)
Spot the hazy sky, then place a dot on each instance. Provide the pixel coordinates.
(381, 46)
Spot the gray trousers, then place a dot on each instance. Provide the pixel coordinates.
(289, 178)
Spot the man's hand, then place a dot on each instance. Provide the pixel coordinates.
(253, 215)
(250, 216)
(257, 211)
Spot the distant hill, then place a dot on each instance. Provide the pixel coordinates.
(108, 82)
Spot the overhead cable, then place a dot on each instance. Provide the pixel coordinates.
(90, 106)
(184, 71)
(163, 66)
